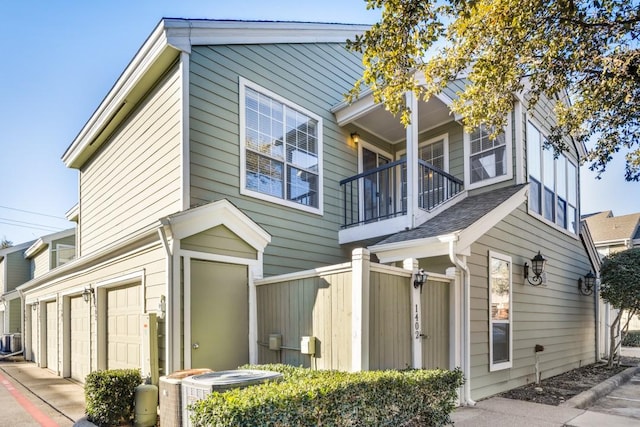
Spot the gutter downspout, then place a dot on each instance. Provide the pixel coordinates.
(466, 280)
(23, 325)
(168, 335)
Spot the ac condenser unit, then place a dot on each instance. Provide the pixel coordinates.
(198, 387)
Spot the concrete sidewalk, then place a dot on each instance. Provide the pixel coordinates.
(40, 385)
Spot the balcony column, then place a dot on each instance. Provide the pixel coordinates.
(412, 160)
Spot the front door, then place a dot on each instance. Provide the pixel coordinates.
(377, 189)
(219, 315)
(435, 325)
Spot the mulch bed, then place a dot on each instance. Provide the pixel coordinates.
(559, 389)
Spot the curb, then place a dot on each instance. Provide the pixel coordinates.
(588, 397)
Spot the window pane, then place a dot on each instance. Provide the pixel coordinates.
(302, 187)
(500, 282)
(561, 213)
(561, 177)
(500, 342)
(534, 196)
(264, 175)
(488, 165)
(548, 165)
(548, 204)
(571, 219)
(572, 183)
(534, 151)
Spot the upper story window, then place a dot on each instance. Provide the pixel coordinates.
(62, 254)
(488, 160)
(280, 149)
(553, 183)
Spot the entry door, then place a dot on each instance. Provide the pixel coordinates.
(79, 338)
(52, 336)
(219, 315)
(435, 325)
(377, 189)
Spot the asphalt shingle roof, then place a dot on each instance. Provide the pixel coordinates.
(604, 226)
(457, 217)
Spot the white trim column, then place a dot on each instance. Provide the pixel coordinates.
(411, 264)
(360, 273)
(412, 160)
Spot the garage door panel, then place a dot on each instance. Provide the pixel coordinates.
(79, 337)
(52, 335)
(123, 327)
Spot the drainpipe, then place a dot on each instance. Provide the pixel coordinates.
(597, 319)
(466, 280)
(168, 335)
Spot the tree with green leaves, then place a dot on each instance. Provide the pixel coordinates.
(581, 54)
(620, 287)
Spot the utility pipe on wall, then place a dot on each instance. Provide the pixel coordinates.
(168, 316)
(466, 280)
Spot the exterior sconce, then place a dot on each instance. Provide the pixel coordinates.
(355, 137)
(420, 279)
(537, 266)
(35, 305)
(586, 286)
(87, 294)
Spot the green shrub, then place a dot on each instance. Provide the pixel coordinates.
(632, 339)
(110, 395)
(330, 398)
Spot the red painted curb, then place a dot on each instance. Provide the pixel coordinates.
(43, 419)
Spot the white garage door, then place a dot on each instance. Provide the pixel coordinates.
(79, 338)
(123, 327)
(52, 336)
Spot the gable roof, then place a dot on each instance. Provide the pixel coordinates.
(161, 50)
(465, 223)
(607, 228)
(45, 241)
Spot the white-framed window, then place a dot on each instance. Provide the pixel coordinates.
(487, 160)
(62, 254)
(500, 319)
(553, 183)
(280, 150)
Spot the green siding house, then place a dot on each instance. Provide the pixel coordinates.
(233, 209)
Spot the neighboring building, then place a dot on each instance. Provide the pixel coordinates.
(614, 233)
(14, 271)
(226, 191)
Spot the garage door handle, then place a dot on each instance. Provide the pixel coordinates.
(195, 346)
(424, 337)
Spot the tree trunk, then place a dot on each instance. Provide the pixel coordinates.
(613, 346)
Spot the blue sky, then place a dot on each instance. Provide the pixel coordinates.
(60, 58)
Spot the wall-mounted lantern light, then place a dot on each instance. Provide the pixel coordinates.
(355, 137)
(162, 307)
(537, 268)
(34, 305)
(87, 294)
(586, 286)
(420, 279)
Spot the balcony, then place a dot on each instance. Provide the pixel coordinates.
(379, 195)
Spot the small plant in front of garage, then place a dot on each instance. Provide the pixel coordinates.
(109, 396)
(330, 398)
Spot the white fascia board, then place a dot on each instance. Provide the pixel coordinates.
(150, 51)
(590, 246)
(479, 228)
(417, 248)
(221, 212)
(38, 246)
(73, 213)
(184, 33)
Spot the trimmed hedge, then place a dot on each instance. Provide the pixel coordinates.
(330, 398)
(110, 396)
(632, 339)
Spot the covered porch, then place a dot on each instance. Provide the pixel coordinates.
(406, 175)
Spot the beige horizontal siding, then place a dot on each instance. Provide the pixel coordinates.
(556, 316)
(150, 262)
(135, 179)
(41, 263)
